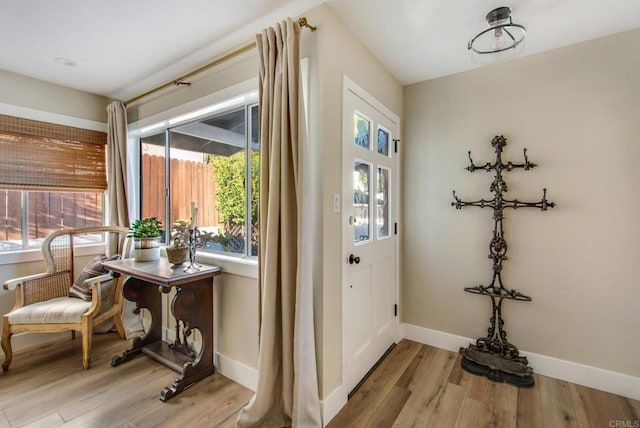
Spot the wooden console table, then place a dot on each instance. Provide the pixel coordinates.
(192, 305)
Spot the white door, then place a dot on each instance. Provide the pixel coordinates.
(369, 202)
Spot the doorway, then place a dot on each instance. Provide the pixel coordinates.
(369, 231)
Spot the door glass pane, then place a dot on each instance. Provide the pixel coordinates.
(383, 141)
(361, 174)
(382, 203)
(361, 130)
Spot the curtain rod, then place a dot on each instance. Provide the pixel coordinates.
(180, 81)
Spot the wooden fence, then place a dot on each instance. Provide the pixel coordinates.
(48, 211)
(190, 182)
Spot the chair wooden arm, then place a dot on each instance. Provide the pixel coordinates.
(11, 284)
(38, 288)
(103, 289)
(96, 280)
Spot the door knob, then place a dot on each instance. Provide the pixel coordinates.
(353, 259)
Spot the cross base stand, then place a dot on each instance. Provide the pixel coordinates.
(497, 368)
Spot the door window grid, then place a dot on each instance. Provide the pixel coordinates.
(365, 217)
(383, 202)
(361, 200)
(383, 139)
(361, 130)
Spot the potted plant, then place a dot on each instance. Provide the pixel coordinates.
(146, 234)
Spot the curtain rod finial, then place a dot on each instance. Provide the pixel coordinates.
(303, 23)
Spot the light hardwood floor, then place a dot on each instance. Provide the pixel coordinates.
(415, 386)
(47, 387)
(422, 386)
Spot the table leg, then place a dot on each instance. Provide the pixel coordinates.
(145, 296)
(193, 305)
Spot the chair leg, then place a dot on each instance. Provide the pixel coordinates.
(6, 344)
(87, 334)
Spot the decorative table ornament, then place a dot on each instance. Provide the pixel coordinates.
(177, 255)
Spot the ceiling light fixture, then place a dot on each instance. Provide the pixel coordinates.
(501, 41)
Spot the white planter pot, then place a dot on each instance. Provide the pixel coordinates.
(146, 249)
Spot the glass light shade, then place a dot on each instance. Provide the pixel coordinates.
(493, 49)
(501, 41)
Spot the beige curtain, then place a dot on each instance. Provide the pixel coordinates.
(287, 393)
(118, 214)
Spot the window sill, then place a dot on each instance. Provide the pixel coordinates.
(35, 255)
(237, 265)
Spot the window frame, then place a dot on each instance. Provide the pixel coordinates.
(247, 101)
(24, 220)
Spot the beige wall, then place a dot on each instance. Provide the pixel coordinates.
(237, 318)
(24, 91)
(335, 52)
(577, 111)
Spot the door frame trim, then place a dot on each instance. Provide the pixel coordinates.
(348, 85)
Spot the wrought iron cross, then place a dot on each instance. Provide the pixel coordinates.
(493, 356)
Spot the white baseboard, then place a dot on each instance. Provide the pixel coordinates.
(331, 405)
(238, 372)
(436, 338)
(593, 377)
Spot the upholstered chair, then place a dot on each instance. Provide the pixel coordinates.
(54, 302)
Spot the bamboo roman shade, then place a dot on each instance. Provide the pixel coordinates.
(43, 156)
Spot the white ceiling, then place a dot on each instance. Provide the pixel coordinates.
(122, 48)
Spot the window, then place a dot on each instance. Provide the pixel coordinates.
(51, 177)
(212, 162)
